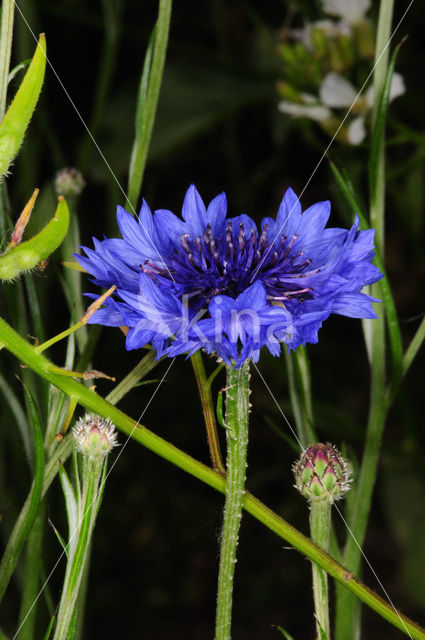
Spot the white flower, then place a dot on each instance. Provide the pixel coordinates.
(351, 11)
(309, 108)
(337, 92)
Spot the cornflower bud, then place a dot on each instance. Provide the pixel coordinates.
(321, 474)
(94, 436)
(69, 182)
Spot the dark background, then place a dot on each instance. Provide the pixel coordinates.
(155, 551)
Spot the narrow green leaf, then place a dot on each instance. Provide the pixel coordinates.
(220, 417)
(19, 415)
(386, 293)
(18, 116)
(146, 364)
(284, 633)
(59, 537)
(29, 254)
(414, 346)
(26, 517)
(144, 83)
(136, 164)
(149, 96)
(19, 67)
(71, 509)
(376, 157)
(50, 627)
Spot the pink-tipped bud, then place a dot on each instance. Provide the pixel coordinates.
(94, 436)
(322, 473)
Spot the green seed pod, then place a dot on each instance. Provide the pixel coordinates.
(321, 474)
(29, 254)
(18, 116)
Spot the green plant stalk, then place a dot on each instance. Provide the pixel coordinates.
(92, 473)
(143, 137)
(204, 388)
(146, 364)
(73, 290)
(386, 293)
(6, 36)
(299, 379)
(382, 51)
(237, 412)
(347, 618)
(379, 75)
(81, 604)
(92, 402)
(320, 525)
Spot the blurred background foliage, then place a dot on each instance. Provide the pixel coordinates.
(155, 556)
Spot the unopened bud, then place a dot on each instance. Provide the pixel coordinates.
(322, 473)
(69, 182)
(94, 436)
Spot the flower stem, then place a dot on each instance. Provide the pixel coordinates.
(93, 402)
(320, 521)
(6, 35)
(237, 410)
(347, 618)
(299, 380)
(78, 552)
(204, 388)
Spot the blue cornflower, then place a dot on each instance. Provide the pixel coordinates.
(212, 282)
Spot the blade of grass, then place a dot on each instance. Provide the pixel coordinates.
(393, 325)
(348, 618)
(6, 35)
(148, 101)
(146, 364)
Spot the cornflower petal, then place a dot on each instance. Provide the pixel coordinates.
(227, 286)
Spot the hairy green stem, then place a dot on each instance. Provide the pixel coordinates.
(92, 402)
(6, 35)
(78, 552)
(204, 388)
(320, 522)
(237, 411)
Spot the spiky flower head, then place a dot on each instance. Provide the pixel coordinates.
(222, 284)
(69, 182)
(94, 436)
(322, 474)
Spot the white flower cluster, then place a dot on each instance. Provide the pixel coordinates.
(335, 91)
